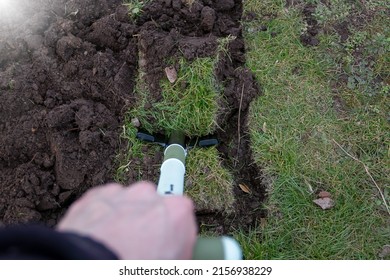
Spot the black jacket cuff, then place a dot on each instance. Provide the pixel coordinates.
(41, 243)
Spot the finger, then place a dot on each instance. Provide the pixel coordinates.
(181, 212)
(142, 189)
(145, 185)
(183, 203)
(103, 191)
(97, 193)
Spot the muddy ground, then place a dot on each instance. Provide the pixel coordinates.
(67, 74)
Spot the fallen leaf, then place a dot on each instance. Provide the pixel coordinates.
(171, 74)
(245, 188)
(324, 203)
(385, 252)
(324, 194)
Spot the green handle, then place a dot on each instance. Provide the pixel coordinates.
(217, 248)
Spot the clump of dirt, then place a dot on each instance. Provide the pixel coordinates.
(67, 74)
(309, 37)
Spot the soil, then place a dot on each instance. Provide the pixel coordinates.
(68, 69)
(309, 37)
(66, 75)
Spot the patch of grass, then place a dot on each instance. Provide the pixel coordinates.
(134, 150)
(251, 243)
(362, 58)
(135, 7)
(190, 104)
(333, 11)
(208, 183)
(264, 8)
(298, 147)
(189, 3)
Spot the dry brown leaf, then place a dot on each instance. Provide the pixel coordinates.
(324, 194)
(171, 74)
(324, 203)
(245, 188)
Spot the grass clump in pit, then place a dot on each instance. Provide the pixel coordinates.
(208, 183)
(190, 104)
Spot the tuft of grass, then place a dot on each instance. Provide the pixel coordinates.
(135, 7)
(294, 130)
(189, 3)
(208, 183)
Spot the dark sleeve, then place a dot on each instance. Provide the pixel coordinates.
(41, 243)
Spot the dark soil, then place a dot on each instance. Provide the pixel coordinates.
(67, 74)
(309, 37)
(65, 79)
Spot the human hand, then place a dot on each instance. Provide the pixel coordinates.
(135, 222)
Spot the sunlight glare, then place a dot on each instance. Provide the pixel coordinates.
(9, 11)
(5, 5)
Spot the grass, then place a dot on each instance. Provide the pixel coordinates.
(135, 7)
(134, 151)
(208, 183)
(190, 104)
(305, 146)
